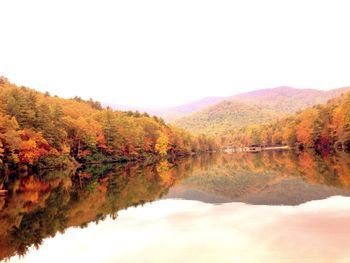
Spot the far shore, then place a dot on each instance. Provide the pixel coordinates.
(254, 148)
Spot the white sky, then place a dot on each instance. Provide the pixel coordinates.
(159, 53)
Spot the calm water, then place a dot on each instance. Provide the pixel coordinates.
(266, 207)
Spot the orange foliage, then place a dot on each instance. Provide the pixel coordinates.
(33, 146)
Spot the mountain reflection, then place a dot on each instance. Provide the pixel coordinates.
(270, 178)
(43, 204)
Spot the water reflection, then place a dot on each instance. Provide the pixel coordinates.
(42, 205)
(271, 178)
(191, 231)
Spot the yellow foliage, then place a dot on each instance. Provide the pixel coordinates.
(162, 144)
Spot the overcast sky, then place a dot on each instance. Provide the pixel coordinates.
(163, 53)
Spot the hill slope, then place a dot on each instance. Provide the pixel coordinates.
(39, 129)
(323, 126)
(254, 108)
(225, 116)
(287, 99)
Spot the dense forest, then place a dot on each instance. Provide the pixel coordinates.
(256, 107)
(225, 116)
(323, 126)
(40, 129)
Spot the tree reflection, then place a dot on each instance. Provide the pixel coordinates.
(43, 204)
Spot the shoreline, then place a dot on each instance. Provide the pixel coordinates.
(255, 149)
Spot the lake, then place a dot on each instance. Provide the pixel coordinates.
(276, 206)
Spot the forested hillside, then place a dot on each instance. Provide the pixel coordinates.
(225, 116)
(254, 107)
(40, 128)
(322, 126)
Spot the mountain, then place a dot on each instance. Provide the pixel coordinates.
(287, 100)
(322, 127)
(254, 107)
(225, 116)
(172, 113)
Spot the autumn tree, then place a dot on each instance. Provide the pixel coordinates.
(162, 144)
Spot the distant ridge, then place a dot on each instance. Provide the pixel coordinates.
(287, 99)
(302, 97)
(172, 113)
(254, 107)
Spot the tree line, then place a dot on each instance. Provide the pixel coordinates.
(39, 128)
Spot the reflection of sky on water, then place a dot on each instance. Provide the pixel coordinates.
(191, 231)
